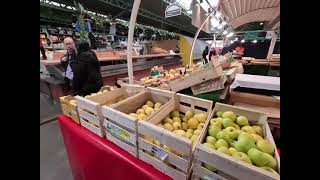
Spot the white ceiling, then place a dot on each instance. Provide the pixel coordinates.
(242, 12)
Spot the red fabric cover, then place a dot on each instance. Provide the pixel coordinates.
(94, 158)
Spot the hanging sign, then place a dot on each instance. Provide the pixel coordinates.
(172, 10)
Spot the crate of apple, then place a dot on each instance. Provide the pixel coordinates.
(234, 136)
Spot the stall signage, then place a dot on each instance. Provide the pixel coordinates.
(172, 10)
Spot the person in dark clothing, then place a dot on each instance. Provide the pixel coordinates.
(87, 77)
(205, 53)
(82, 68)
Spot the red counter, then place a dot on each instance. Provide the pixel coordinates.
(94, 158)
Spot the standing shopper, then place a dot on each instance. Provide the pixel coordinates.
(87, 77)
(205, 53)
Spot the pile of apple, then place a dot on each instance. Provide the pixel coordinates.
(188, 125)
(146, 110)
(234, 136)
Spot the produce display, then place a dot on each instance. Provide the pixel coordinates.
(234, 136)
(146, 110)
(189, 126)
(164, 76)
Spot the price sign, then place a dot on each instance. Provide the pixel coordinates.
(159, 152)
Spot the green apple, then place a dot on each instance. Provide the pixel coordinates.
(210, 139)
(209, 167)
(188, 114)
(219, 113)
(248, 129)
(232, 150)
(229, 114)
(269, 169)
(244, 144)
(232, 132)
(224, 150)
(256, 137)
(231, 143)
(265, 146)
(226, 122)
(257, 157)
(214, 130)
(258, 130)
(242, 121)
(271, 161)
(209, 145)
(245, 135)
(220, 143)
(223, 135)
(236, 126)
(242, 157)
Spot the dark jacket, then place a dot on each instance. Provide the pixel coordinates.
(87, 77)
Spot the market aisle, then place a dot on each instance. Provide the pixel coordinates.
(48, 110)
(54, 163)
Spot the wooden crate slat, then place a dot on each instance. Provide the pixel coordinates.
(166, 110)
(90, 127)
(201, 172)
(196, 77)
(129, 148)
(175, 174)
(84, 103)
(176, 160)
(91, 118)
(119, 118)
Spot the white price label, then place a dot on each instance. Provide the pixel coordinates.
(159, 152)
(209, 178)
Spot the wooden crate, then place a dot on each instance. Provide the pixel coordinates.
(226, 165)
(182, 145)
(120, 128)
(89, 109)
(69, 109)
(253, 99)
(198, 76)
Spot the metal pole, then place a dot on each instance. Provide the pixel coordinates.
(132, 23)
(196, 36)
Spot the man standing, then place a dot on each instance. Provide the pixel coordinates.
(83, 68)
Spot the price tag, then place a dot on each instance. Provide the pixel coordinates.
(159, 152)
(209, 178)
(116, 131)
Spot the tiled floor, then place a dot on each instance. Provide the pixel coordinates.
(54, 163)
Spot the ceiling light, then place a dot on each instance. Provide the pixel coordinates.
(231, 42)
(218, 14)
(261, 24)
(230, 34)
(242, 41)
(214, 22)
(255, 41)
(236, 39)
(224, 32)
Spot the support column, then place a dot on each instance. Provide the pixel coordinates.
(272, 44)
(132, 23)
